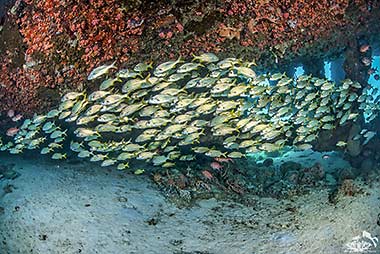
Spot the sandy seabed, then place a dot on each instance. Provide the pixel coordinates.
(57, 207)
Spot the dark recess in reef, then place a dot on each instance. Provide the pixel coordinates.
(4, 6)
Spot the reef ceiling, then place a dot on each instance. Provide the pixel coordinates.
(49, 47)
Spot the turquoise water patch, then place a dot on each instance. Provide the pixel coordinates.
(327, 69)
(375, 65)
(298, 71)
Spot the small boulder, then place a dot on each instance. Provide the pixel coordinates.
(268, 162)
(330, 180)
(7, 172)
(353, 147)
(292, 176)
(367, 165)
(346, 173)
(289, 166)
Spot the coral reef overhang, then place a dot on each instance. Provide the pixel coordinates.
(67, 46)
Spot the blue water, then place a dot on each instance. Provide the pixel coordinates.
(375, 65)
(333, 70)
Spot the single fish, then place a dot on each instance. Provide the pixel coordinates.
(108, 162)
(108, 83)
(122, 166)
(71, 96)
(167, 66)
(206, 58)
(58, 156)
(100, 71)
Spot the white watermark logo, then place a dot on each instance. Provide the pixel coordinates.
(365, 243)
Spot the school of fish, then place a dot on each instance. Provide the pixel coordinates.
(180, 111)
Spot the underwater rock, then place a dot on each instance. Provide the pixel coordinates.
(346, 173)
(353, 147)
(311, 175)
(355, 162)
(367, 153)
(330, 180)
(282, 189)
(348, 188)
(292, 176)
(318, 171)
(8, 188)
(7, 172)
(265, 175)
(268, 162)
(289, 166)
(367, 165)
(269, 172)
(306, 178)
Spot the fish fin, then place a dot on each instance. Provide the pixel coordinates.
(147, 77)
(113, 66)
(180, 59)
(150, 64)
(196, 141)
(144, 102)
